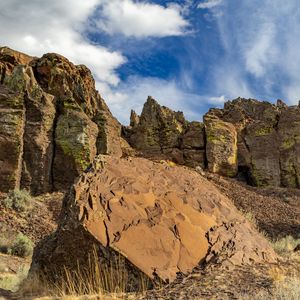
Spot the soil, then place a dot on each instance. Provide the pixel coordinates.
(276, 210)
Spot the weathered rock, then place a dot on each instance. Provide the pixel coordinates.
(11, 138)
(158, 128)
(162, 219)
(39, 98)
(258, 138)
(9, 59)
(39, 114)
(262, 142)
(160, 133)
(134, 118)
(75, 139)
(74, 88)
(289, 146)
(221, 146)
(193, 137)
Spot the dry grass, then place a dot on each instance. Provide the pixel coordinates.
(285, 246)
(16, 244)
(287, 289)
(101, 283)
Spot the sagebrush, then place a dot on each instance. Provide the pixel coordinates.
(19, 200)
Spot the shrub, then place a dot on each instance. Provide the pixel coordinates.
(19, 200)
(285, 245)
(22, 246)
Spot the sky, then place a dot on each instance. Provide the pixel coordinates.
(190, 55)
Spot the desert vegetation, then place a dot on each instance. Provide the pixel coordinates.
(19, 200)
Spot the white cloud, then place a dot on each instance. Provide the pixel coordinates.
(141, 19)
(209, 4)
(36, 28)
(261, 42)
(60, 26)
(263, 51)
(217, 100)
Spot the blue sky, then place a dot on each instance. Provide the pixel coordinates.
(190, 55)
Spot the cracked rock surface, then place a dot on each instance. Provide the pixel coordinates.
(164, 220)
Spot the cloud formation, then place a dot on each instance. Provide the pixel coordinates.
(57, 26)
(208, 4)
(261, 44)
(140, 19)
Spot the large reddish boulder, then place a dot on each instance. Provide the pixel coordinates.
(163, 220)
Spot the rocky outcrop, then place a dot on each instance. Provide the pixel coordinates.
(163, 220)
(52, 122)
(267, 140)
(255, 140)
(221, 147)
(161, 133)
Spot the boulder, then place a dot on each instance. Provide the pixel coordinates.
(162, 220)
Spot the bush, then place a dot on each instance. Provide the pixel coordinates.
(285, 245)
(19, 200)
(22, 246)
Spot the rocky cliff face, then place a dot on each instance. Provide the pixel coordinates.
(249, 138)
(267, 140)
(52, 122)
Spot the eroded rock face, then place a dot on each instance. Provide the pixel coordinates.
(52, 122)
(161, 133)
(162, 219)
(267, 140)
(221, 146)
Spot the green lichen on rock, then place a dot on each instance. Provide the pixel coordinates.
(264, 131)
(221, 146)
(75, 140)
(75, 135)
(288, 143)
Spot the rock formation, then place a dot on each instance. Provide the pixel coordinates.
(161, 133)
(163, 220)
(52, 122)
(255, 139)
(267, 140)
